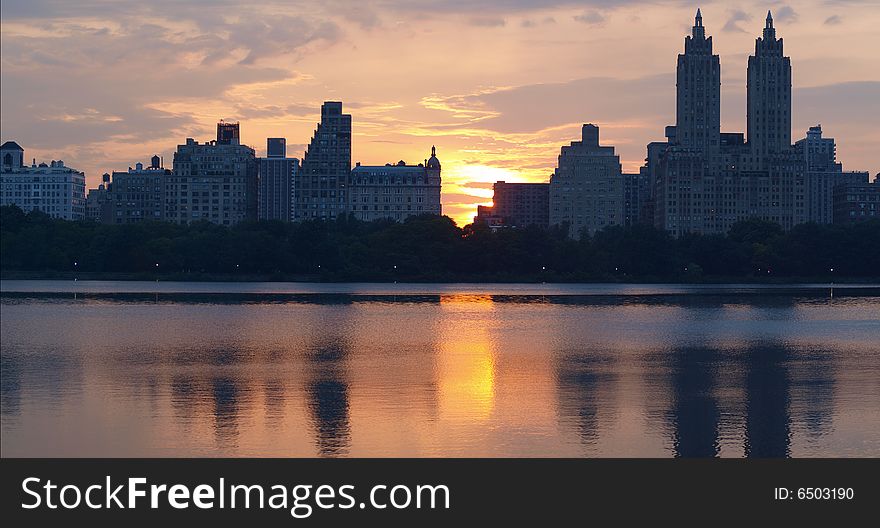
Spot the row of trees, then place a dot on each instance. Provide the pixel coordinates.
(432, 248)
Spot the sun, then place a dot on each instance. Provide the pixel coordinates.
(482, 174)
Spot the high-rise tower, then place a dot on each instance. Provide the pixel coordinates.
(769, 98)
(322, 184)
(698, 101)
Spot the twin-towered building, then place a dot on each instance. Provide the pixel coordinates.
(703, 180)
(699, 180)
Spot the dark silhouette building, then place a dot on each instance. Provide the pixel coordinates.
(228, 133)
(395, 191)
(703, 181)
(698, 92)
(517, 205)
(275, 198)
(136, 195)
(214, 181)
(586, 190)
(823, 174)
(769, 98)
(857, 202)
(322, 186)
(276, 147)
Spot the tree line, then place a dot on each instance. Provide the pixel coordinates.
(430, 248)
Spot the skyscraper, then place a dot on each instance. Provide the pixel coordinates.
(687, 170)
(698, 91)
(705, 180)
(277, 176)
(214, 181)
(769, 98)
(321, 188)
(823, 173)
(586, 190)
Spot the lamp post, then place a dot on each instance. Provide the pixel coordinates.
(75, 269)
(831, 270)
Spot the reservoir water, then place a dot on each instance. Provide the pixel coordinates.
(143, 369)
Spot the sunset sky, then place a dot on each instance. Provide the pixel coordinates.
(498, 86)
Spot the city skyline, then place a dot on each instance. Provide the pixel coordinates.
(493, 117)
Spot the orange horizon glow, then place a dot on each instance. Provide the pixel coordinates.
(497, 88)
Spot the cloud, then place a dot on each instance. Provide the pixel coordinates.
(140, 77)
(833, 20)
(363, 15)
(531, 23)
(849, 112)
(513, 110)
(736, 16)
(850, 102)
(477, 185)
(786, 14)
(486, 22)
(592, 18)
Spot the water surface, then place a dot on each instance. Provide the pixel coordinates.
(275, 369)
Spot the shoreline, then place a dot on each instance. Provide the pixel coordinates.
(330, 278)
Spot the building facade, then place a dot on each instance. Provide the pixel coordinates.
(823, 174)
(395, 191)
(688, 168)
(857, 202)
(697, 188)
(278, 175)
(135, 195)
(55, 189)
(321, 190)
(636, 195)
(97, 201)
(586, 190)
(698, 92)
(517, 205)
(214, 181)
(768, 94)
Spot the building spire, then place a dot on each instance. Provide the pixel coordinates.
(433, 151)
(698, 20)
(769, 20)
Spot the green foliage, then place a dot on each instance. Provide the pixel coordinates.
(432, 248)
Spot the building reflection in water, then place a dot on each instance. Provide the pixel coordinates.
(761, 394)
(586, 382)
(52, 377)
(813, 391)
(768, 394)
(445, 375)
(183, 398)
(328, 394)
(695, 414)
(273, 393)
(10, 386)
(225, 392)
